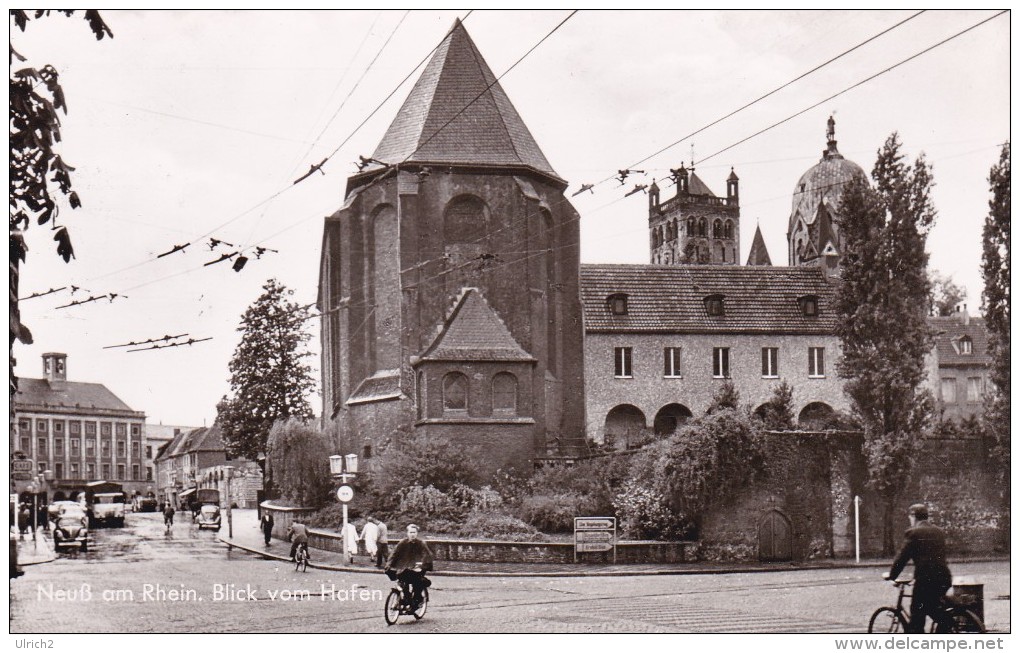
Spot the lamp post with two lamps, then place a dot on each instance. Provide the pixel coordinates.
(344, 468)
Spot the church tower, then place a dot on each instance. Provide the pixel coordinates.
(449, 279)
(695, 226)
(813, 233)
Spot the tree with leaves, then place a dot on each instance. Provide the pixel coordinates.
(297, 458)
(995, 268)
(946, 294)
(269, 378)
(882, 308)
(776, 414)
(726, 398)
(38, 176)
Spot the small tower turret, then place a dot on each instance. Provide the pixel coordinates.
(653, 195)
(733, 189)
(682, 181)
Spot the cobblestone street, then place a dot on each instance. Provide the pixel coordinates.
(139, 579)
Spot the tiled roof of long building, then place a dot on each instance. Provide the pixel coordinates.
(673, 299)
(69, 394)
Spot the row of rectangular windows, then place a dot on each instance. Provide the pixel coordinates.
(74, 470)
(105, 428)
(90, 447)
(623, 362)
(975, 390)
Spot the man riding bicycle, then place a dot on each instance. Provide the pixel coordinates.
(409, 562)
(926, 546)
(298, 534)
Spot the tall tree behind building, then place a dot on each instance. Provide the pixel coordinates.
(882, 305)
(995, 268)
(36, 99)
(269, 380)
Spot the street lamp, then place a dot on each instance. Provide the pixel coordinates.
(343, 468)
(230, 517)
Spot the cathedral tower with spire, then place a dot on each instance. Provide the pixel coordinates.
(694, 226)
(449, 279)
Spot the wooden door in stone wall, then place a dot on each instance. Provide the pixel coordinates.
(775, 538)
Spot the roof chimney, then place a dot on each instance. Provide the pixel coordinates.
(55, 369)
(966, 316)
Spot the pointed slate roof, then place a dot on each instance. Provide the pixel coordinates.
(473, 332)
(698, 187)
(451, 116)
(759, 254)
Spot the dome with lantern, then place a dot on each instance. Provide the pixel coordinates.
(813, 231)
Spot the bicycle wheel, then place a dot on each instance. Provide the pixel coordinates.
(391, 611)
(303, 562)
(420, 612)
(885, 620)
(965, 621)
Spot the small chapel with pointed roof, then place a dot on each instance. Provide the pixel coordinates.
(449, 279)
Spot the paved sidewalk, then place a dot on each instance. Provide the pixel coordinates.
(248, 537)
(35, 549)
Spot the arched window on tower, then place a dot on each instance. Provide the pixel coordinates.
(717, 230)
(455, 392)
(728, 229)
(465, 220)
(504, 394)
(691, 227)
(702, 227)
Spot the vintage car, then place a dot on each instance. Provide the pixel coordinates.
(71, 527)
(53, 510)
(108, 508)
(208, 503)
(145, 503)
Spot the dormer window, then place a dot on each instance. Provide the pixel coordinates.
(617, 303)
(714, 305)
(809, 305)
(966, 345)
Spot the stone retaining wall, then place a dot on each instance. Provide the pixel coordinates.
(537, 552)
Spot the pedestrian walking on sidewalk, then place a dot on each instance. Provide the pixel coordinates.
(382, 546)
(350, 537)
(24, 520)
(370, 536)
(266, 524)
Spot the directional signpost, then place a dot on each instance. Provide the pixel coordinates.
(594, 535)
(22, 470)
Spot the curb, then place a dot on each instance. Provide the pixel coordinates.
(873, 564)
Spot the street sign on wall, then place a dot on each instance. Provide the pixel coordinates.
(594, 535)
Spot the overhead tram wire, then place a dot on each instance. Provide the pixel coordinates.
(772, 92)
(343, 103)
(487, 88)
(860, 83)
(285, 189)
(732, 113)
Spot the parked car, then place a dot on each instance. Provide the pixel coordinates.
(71, 528)
(53, 510)
(208, 515)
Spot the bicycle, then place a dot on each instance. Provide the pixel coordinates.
(398, 604)
(896, 619)
(301, 558)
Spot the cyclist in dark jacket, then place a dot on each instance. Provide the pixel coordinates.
(410, 559)
(926, 546)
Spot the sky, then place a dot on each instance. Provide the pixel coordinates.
(190, 125)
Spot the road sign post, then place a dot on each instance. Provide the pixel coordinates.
(594, 535)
